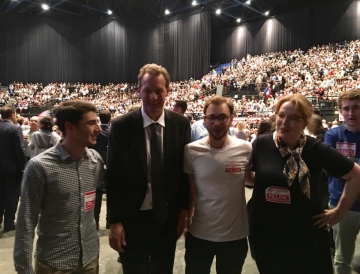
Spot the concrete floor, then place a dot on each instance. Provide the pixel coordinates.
(108, 257)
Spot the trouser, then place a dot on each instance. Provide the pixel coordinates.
(345, 233)
(10, 185)
(91, 268)
(199, 254)
(150, 248)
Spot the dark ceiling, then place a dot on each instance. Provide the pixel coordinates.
(152, 9)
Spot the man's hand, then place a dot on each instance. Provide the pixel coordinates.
(181, 223)
(117, 237)
(328, 219)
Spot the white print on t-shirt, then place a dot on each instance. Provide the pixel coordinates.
(89, 200)
(233, 167)
(278, 195)
(346, 149)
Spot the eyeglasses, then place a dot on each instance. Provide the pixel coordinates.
(354, 108)
(291, 118)
(221, 118)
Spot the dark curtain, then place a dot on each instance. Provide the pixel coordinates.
(319, 24)
(34, 49)
(188, 46)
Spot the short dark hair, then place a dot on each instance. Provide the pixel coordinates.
(181, 104)
(72, 112)
(265, 127)
(46, 123)
(6, 112)
(105, 116)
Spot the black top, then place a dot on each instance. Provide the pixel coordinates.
(290, 226)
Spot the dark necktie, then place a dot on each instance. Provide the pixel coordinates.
(157, 183)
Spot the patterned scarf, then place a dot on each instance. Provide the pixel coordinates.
(295, 163)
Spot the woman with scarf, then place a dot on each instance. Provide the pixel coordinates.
(288, 222)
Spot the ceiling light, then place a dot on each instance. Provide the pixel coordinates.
(248, 2)
(109, 12)
(45, 7)
(267, 13)
(238, 20)
(194, 3)
(167, 11)
(218, 11)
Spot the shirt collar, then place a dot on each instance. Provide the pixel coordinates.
(64, 155)
(147, 121)
(343, 128)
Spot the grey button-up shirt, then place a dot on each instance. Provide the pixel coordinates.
(58, 195)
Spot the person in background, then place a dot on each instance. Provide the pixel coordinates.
(345, 139)
(265, 127)
(34, 127)
(239, 133)
(180, 106)
(45, 138)
(12, 163)
(101, 147)
(288, 223)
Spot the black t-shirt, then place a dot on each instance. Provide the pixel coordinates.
(290, 224)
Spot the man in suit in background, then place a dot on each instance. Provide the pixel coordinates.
(147, 190)
(101, 146)
(12, 163)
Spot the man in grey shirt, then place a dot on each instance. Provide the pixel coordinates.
(58, 196)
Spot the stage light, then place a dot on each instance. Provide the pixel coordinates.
(238, 20)
(109, 12)
(248, 2)
(194, 3)
(267, 13)
(45, 7)
(167, 11)
(218, 11)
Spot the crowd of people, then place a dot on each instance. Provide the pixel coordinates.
(321, 74)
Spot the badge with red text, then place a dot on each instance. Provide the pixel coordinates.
(278, 195)
(233, 167)
(89, 200)
(346, 149)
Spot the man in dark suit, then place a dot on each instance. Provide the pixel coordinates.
(12, 163)
(147, 190)
(101, 146)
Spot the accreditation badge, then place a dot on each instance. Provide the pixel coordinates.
(280, 195)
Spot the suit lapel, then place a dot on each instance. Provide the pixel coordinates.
(139, 136)
(168, 136)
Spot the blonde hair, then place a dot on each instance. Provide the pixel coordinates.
(240, 126)
(154, 70)
(301, 103)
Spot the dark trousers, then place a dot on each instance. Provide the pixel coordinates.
(98, 202)
(10, 185)
(199, 255)
(150, 248)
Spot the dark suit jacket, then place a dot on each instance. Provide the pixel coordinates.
(12, 151)
(127, 166)
(102, 141)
